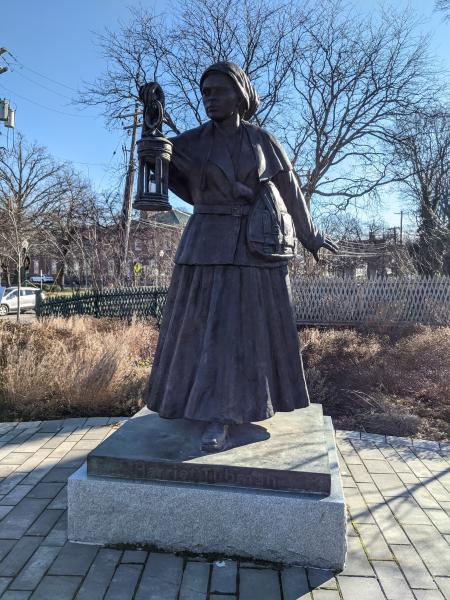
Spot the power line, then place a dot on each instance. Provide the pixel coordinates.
(79, 162)
(41, 74)
(109, 163)
(55, 110)
(18, 72)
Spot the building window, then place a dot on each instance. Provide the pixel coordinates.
(35, 266)
(53, 267)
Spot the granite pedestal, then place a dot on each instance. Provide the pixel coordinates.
(276, 497)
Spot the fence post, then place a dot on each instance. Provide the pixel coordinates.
(96, 305)
(38, 307)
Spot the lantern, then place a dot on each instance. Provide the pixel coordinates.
(154, 153)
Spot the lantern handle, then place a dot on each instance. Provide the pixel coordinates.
(152, 96)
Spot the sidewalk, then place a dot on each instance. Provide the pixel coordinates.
(398, 496)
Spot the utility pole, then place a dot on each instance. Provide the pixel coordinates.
(401, 226)
(125, 221)
(19, 268)
(7, 114)
(22, 252)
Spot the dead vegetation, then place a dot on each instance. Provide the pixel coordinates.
(392, 380)
(68, 367)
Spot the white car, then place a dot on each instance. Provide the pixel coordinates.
(8, 299)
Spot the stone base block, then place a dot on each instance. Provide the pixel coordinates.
(279, 526)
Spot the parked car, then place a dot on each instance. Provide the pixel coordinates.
(8, 299)
(42, 278)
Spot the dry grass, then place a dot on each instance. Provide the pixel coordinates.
(391, 380)
(58, 367)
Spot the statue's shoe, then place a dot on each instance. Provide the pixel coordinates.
(214, 437)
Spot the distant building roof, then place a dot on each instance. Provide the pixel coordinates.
(173, 217)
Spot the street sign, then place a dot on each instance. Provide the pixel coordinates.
(137, 267)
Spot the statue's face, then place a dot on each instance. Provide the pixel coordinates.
(220, 98)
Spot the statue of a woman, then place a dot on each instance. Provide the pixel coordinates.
(228, 349)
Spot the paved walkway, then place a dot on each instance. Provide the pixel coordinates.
(398, 495)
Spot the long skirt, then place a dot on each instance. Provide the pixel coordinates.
(228, 347)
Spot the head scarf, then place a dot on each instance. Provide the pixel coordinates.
(240, 79)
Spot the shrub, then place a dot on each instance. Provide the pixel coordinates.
(392, 380)
(59, 367)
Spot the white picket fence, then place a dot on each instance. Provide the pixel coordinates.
(329, 301)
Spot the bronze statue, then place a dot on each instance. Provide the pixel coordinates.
(228, 349)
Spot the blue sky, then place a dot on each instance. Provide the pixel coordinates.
(55, 38)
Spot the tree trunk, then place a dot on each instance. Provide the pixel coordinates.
(430, 246)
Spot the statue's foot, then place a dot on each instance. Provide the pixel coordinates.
(214, 437)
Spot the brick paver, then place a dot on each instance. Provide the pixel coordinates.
(74, 559)
(161, 577)
(35, 568)
(391, 578)
(100, 574)
(397, 492)
(51, 586)
(224, 577)
(194, 585)
(124, 582)
(295, 584)
(360, 588)
(263, 584)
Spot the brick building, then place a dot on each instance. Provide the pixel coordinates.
(95, 254)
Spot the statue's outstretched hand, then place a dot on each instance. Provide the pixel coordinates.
(328, 244)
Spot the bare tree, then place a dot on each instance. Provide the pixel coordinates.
(422, 161)
(93, 251)
(444, 7)
(129, 61)
(262, 36)
(353, 78)
(146, 48)
(130, 58)
(75, 209)
(52, 207)
(331, 82)
(29, 186)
